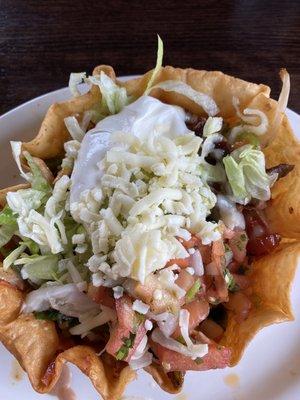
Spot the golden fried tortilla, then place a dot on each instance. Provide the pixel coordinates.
(35, 343)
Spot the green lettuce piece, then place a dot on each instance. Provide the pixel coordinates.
(159, 59)
(7, 216)
(8, 225)
(13, 256)
(191, 293)
(6, 233)
(24, 200)
(31, 245)
(246, 172)
(114, 97)
(213, 173)
(39, 268)
(230, 281)
(38, 182)
(248, 137)
(236, 178)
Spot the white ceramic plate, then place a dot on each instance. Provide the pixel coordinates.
(270, 368)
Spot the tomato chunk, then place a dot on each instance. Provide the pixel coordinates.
(101, 295)
(199, 310)
(238, 245)
(185, 280)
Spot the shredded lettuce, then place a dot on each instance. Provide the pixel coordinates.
(12, 257)
(6, 233)
(230, 281)
(31, 245)
(24, 200)
(191, 293)
(8, 225)
(213, 173)
(248, 137)
(37, 268)
(7, 216)
(114, 97)
(38, 182)
(246, 172)
(159, 59)
(74, 128)
(75, 79)
(17, 150)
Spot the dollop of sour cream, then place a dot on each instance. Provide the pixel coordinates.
(145, 117)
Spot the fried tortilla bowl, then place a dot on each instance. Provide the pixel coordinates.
(36, 344)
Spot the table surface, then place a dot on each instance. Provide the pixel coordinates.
(42, 41)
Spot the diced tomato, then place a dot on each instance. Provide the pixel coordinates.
(185, 280)
(101, 295)
(238, 245)
(181, 262)
(199, 310)
(242, 281)
(217, 357)
(240, 305)
(117, 337)
(125, 313)
(216, 286)
(221, 288)
(228, 233)
(211, 329)
(145, 291)
(124, 327)
(218, 252)
(205, 252)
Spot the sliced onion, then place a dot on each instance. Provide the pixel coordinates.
(184, 317)
(197, 263)
(141, 362)
(285, 91)
(198, 350)
(73, 271)
(65, 298)
(74, 128)
(106, 315)
(168, 325)
(202, 99)
(75, 79)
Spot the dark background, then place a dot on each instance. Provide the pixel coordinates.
(41, 42)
